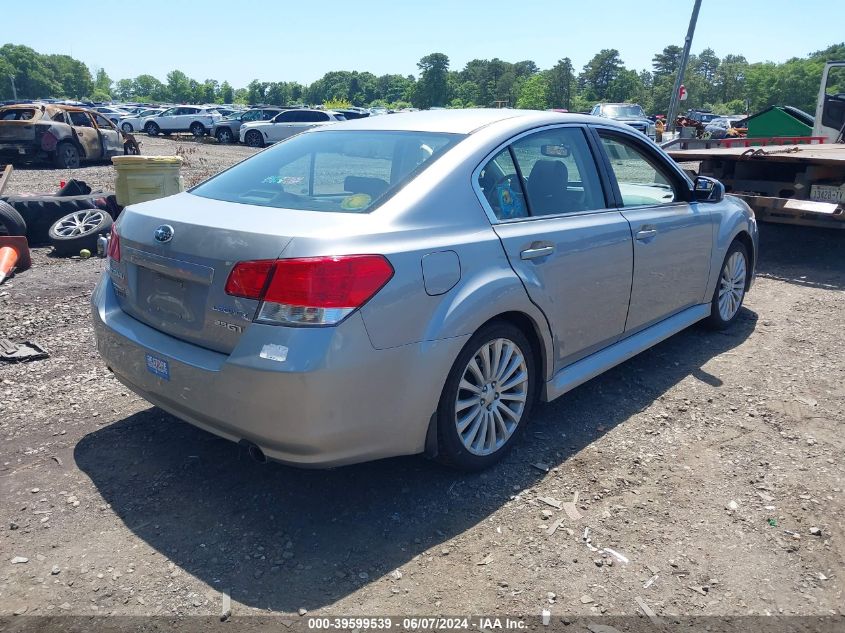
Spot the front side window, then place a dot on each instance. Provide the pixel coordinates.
(103, 122)
(641, 180)
(80, 119)
(345, 172)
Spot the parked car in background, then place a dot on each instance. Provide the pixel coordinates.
(353, 113)
(631, 114)
(719, 127)
(227, 130)
(135, 122)
(415, 282)
(286, 124)
(197, 120)
(64, 135)
(701, 116)
(112, 114)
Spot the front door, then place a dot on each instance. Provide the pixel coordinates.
(86, 134)
(111, 139)
(572, 252)
(673, 238)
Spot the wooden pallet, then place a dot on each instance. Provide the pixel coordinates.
(5, 174)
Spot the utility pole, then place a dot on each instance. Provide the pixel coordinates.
(673, 103)
(14, 90)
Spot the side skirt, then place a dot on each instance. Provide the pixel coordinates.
(580, 372)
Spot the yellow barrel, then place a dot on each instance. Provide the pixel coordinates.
(142, 178)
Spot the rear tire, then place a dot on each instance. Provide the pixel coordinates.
(11, 222)
(253, 138)
(487, 399)
(67, 156)
(197, 129)
(730, 288)
(79, 230)
(224, 135)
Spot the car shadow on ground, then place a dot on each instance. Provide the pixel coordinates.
(801, 255)
(284, 538)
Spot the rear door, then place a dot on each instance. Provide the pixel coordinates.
(184, 117)
(571, 249)
(282, 126)
(673, 238)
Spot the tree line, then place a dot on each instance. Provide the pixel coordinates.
(730, 84)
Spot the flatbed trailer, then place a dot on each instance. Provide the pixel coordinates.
(799, 184)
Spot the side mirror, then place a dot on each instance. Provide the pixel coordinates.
(708, 189)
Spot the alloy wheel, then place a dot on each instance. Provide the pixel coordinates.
(492, 395)
(79, 223)
(732, 285)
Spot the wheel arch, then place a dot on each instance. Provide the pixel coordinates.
(746, 240)
(533, 332)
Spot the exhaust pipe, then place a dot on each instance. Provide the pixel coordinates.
(255, 453)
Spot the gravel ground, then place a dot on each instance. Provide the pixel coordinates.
(202, 159)
(713, 463)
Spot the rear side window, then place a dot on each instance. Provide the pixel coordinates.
(341, 171)
(500, 184)
(555, 171)
(17, 115)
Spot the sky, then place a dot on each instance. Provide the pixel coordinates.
(296, 41)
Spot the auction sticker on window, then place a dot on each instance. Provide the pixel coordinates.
(158, 366)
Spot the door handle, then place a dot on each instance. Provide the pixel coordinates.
(646, 234)
(534, 253)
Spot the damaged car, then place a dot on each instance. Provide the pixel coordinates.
(66, 136)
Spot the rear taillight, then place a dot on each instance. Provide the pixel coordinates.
(113, 251)
(310, 290)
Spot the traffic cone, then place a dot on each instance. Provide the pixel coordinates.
(14, 255)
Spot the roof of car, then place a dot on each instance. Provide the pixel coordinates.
(459, 121)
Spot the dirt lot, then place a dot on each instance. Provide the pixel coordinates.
(714, 463)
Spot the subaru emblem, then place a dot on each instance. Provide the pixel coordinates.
(164, 233)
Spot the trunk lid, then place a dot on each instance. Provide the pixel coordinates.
(17, 131)
(177, 285)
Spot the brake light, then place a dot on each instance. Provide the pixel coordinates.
(113, 251)
(310, 290)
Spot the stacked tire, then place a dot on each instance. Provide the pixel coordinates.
(11, 222)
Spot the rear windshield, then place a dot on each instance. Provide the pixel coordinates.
(16, 115)
(341, 171)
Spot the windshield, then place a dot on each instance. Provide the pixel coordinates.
(339, 171)
(624, 111)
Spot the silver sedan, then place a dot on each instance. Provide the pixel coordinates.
(414, 283)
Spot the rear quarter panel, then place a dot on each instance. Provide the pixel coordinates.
(437, 211)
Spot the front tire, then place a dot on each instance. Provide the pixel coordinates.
(127, 128)
(487, 398)
(730, 289)
(253, 139)
(224, 135)
(152, 129)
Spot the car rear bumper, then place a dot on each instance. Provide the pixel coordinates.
(19, 150)
(335, 400)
